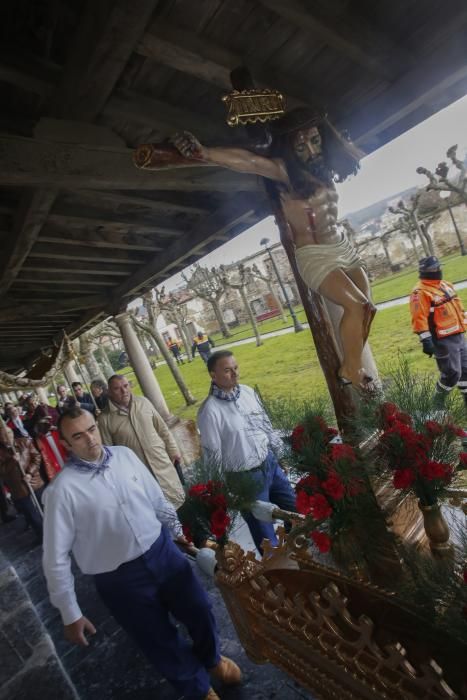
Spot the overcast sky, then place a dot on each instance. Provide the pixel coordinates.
(384, 172)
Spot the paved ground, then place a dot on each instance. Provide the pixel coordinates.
(112, 668)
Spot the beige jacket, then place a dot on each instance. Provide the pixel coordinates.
(145, 432)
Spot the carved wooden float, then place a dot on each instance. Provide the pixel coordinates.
(339, 638)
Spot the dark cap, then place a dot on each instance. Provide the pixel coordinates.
(430, 264)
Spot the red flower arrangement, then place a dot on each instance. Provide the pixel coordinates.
(210, 505)
(327, 493)
(421, 459)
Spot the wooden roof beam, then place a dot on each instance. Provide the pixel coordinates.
(431, 77)
(232, 215)
(145, 205)
(352, 36)
(194, 55)
(62, 252)
(120, 226)
(29, 219)
(34, 162)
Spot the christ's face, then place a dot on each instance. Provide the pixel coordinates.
(307, 145)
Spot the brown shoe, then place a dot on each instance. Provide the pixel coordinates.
(227, 671)
(212, 695)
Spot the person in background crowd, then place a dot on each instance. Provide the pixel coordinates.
(100, 393)
(203, 343)
(133, 421)
(440, 321)
(64, 400)
(53, 453)
(33, 414)
(236, 432)
(174, 347)
(18, 455)
(83, 398)
(5, 515)
(15, 422)
(111, 514)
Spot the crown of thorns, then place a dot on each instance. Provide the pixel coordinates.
(296, 119)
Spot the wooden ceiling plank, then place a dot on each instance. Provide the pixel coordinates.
(117, 224)
(227, 217)
(430, 78)
(32, 213)
(104, 41)
(194, 55)
(146, 205)
(102, 239)
(355, 38)
(82, 254)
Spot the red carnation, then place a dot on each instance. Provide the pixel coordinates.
(433, 427)
(387, 410)
(298, 439)
(308, 482)
(321, 540)
(320, 507)
(218, 501)
(198, 490)
(343, 452)
(219, 522)
(404, 418)
(334, 487)
(332, 432)
(434, 470)
(303, 502)
(403, 478)
(463, 460)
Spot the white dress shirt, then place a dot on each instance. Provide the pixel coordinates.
(105, 519)
(237, 434)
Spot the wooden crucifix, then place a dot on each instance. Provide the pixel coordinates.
(305, 157)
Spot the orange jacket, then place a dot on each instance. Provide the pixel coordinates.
(436, 309)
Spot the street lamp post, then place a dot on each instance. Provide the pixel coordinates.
(296, 323)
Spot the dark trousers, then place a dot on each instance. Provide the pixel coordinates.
(3, 504)
(273, 486)
(32, 516)
(205, 355)
(140, 595)
(451, 358)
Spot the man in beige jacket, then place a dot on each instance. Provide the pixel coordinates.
(132, 421)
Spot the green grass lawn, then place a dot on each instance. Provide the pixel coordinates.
(390, 287)
(287, 366)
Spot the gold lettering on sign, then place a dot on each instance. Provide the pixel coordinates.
(252, 106)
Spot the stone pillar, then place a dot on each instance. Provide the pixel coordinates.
(42, 394)
(142, 368)
(70, 373)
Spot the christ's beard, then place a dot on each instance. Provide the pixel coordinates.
(317, 168)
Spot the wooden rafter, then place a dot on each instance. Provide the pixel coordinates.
(352, 36)
(227, 218)
(33, 162)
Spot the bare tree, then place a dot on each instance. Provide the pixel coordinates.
(151, 329)
(240, 284)
(408, 222)
(208, 285)
(175, 313)
(269, 278)
(439, 179)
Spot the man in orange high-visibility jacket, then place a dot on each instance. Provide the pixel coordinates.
(440, 321)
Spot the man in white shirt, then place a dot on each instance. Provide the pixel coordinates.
(107, 509)
(236, 432)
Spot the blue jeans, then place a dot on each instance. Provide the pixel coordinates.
(140, 595)
(274, 487)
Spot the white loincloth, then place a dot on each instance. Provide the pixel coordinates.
(315, 262)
